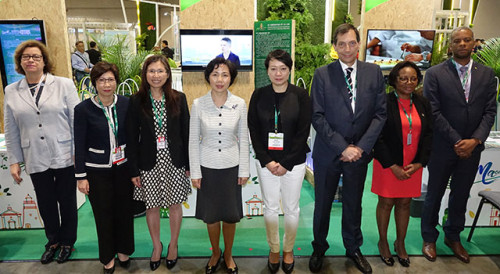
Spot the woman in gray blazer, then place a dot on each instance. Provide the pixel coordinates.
(39, 133)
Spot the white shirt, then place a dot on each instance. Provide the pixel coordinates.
(218, 136)
(353, 79)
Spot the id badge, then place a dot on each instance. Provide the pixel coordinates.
(161, 142)
(276, 141)
(408, 139)
(119, 154)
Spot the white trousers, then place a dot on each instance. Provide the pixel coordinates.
(287, 189)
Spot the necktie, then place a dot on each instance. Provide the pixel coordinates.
(349, 82)
(463, 71)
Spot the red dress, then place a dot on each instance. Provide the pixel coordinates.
(384, 182)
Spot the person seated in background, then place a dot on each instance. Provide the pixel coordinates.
(225, 45)
(168, 52)
(80, 62)
(94, 54)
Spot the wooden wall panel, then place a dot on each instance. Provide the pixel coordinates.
(218, 14)
(53, 12)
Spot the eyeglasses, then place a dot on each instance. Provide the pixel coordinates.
(160, 71)
(343, 45)
(103, 81)
(405, 80)
(35, 57)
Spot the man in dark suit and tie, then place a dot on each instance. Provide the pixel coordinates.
(348, 101)
(462, 95)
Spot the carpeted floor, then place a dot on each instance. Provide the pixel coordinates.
(250, 235)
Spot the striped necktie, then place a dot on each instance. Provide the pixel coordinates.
(349, 81)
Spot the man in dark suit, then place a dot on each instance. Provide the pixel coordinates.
(348, 101)
(462, 96)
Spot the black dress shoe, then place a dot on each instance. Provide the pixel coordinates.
(209, 269)
(388, 261)
(316, 261)
(360, 261)
(48, 255)
(171, 263)
(125, 264)
(108, 270)
(155, 264)
(233, 270)
(64, 254)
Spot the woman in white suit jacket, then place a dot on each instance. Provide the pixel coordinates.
(39, 133)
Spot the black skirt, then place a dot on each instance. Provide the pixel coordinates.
(219, 197)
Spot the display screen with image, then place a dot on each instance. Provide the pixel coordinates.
(13, 33)
(386, 48)
(199, 47)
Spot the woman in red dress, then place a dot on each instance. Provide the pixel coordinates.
(401, 151)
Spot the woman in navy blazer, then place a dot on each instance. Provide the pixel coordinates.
(402, 149)
(157, 140)
(39, 133)
(101, 166)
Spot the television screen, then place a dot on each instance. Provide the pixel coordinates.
(13, 33)
(199, 47)
(386, 48)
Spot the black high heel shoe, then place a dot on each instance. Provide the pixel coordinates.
(209, 269)
(388, 261)
(155, 264)
(233, 270)
(171, 263)
(287, 268)
(124, 264)
(273, 267)
(403, 261)
(108, 270)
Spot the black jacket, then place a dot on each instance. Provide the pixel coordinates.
(295, 123)
(388, 149)
(141, 137)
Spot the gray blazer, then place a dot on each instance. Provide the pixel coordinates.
(41, 137)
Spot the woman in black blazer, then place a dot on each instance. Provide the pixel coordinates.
(402, 149)
(279, 119)
(101, 166)
(157, 139)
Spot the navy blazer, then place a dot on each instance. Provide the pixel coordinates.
(454, 117)
(141, 136)
(389, 147)
(295, 121)
(333, 119)
(92, 138)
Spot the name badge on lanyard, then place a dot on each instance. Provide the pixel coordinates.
(161, 142)
(276, 141)
(119, 154)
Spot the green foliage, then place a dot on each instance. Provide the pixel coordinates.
(309, 57)
(341, 13)
(292, 9)
(440, 49)
(489, 55)
(317, 27)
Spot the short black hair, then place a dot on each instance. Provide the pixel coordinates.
(454, 31)
(279, 55)
(226, 39)
(92, 44)
(165, 42)
(343, 29)
(215, 63)
(393, 75)
(102, 67)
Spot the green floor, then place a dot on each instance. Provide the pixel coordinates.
(250, 235)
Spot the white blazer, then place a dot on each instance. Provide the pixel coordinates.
(41, 137)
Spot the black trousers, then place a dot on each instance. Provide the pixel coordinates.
(56, 195)
(326, 181)
(110, 194)
(442, 166)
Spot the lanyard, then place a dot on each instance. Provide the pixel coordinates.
(466, 74)
(159, 118)
(276, 114)
(36, 90)
(350, 88)
(114, 126)
(406, 113)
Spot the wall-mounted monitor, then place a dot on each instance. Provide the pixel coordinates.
(13, 33)
(199, 47)
(386, 47)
